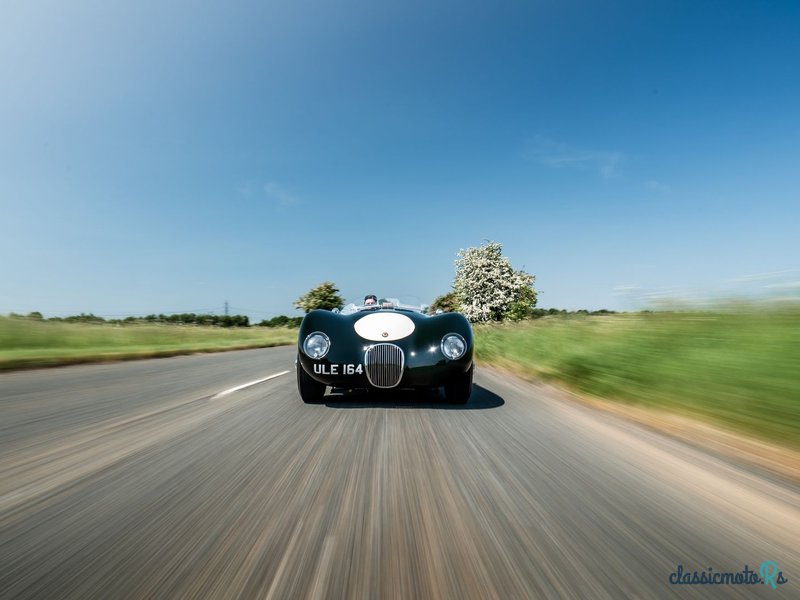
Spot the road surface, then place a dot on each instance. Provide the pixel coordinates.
(159, 479)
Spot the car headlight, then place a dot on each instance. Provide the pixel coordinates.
(453, 346)
(316, 345)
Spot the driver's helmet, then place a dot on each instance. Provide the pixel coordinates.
(369, 297)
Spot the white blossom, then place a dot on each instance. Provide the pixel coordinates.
(488, 288)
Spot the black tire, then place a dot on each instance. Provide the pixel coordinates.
(311, 390)
(459, 389)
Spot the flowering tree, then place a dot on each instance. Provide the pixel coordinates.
(488, 288)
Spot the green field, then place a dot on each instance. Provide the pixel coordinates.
(739, 368)
(31, 343)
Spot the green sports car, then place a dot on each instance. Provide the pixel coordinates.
(383, 346)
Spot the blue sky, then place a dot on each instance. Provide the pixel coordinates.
(160, 157)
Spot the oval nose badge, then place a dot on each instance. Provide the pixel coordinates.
(384, 326)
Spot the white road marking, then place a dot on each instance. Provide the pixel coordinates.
(246, 385)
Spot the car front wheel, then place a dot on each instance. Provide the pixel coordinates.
(459, 389)
(311, 390)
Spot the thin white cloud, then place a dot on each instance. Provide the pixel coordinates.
(784, 285)
(625, 290)
(757, 287)
(657, 186)
(279, 194)
(764, 276)
(557, 155)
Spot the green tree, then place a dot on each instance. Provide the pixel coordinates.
(523, 306)
(325, 296)
(446, 303)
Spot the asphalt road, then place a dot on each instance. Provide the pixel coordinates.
(139, 480)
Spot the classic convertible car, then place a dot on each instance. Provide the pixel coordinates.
(383, 346)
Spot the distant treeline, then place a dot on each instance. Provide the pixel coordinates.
(243, 320)
(281, 321)
(543, 312)
(536, 313)
(175, 319)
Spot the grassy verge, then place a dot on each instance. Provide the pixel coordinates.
(735, 369)
(29, 343)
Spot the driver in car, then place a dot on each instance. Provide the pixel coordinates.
(370, 300)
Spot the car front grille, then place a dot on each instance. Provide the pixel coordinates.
(384, 364)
